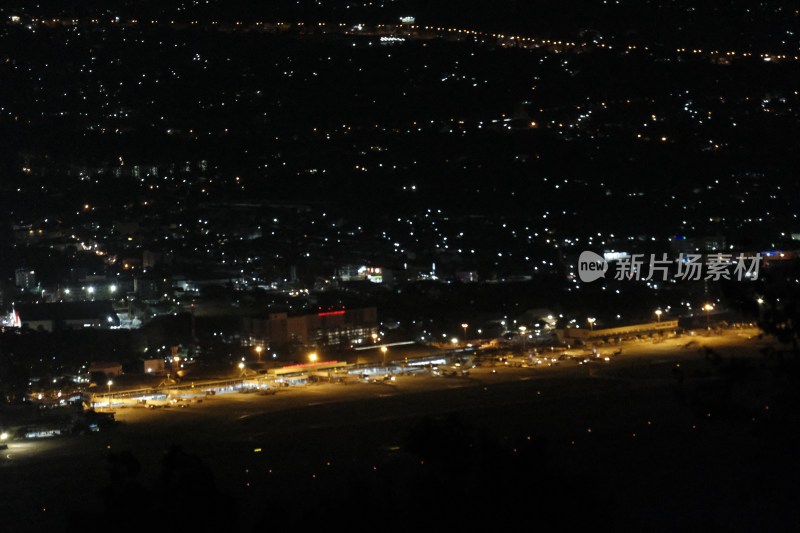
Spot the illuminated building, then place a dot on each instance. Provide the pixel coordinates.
(336, 327)
(704, 244)
(362, 273)
(68, 315)
(25, 278)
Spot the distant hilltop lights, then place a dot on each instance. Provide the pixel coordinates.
(406, 23)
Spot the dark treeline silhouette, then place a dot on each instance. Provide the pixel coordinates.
(185, 498)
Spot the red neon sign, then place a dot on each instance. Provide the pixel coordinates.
(330, 313)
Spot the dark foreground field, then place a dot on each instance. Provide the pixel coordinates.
(634, 444)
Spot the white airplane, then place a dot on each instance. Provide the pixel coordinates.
(460, 367)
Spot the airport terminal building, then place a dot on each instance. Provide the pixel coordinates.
(588, 334)
(337, 327)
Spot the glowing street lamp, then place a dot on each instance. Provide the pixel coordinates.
(259, 349)
(707, 308)
(522, 330)
(109, 392)
(658, 314)
(591, 323)
(384, 349)
(465, 326)
(312, 357)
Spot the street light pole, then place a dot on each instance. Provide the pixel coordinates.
(465, 325)
(109, 392)
(384, 349)
(658, 314)
(708, 308)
